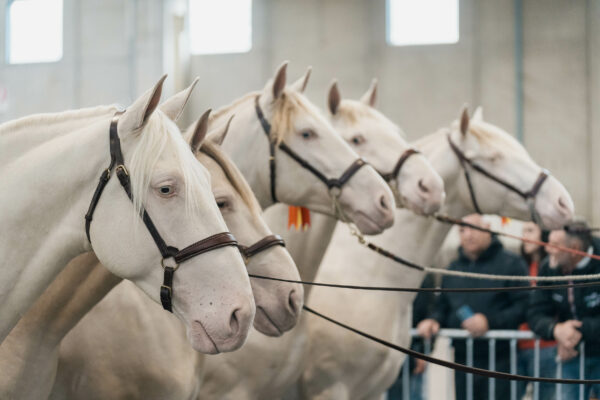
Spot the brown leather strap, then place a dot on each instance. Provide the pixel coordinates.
(262, 245)
(391, 176)
(210, 243)
(331, 183)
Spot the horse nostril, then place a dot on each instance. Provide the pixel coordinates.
(294, 302)
(383, 203)
(422, 186)
(234, 323)
(561, 203)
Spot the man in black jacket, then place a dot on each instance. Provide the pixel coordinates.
(478, 312)
(570, 315)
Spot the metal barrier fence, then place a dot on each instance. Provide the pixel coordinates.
(492, 337)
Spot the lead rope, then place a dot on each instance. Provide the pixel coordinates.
(431, 270)
(449, 364)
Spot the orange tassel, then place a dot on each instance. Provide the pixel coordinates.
(298, 217)
(505, 220)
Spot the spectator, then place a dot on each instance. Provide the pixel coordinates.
(534, 254)
(422, 307)
(570, 315)
(478, 312)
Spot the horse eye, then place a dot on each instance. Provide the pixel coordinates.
(308, 134)
(166, 190)
(221, 204)
(358, 139)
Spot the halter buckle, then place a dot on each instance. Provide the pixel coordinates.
(122, 168)
(168, 288)
(174, 266)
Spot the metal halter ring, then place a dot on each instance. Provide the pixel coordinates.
(335, 191)
(162, 263)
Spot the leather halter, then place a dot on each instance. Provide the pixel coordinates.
(334, 185)
(262, 245)
(393, 176)
(528, 196)
(213, 242)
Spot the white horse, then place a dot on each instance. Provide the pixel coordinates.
(296, 123)
(265, 367)
(51, 163)
(30, 352)
(343, 365)
(139, 352)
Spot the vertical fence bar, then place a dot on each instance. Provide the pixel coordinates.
(492, 367)
(406, 379)
(425, 382)
(513, 368)
(469, 377)
(449, 373)
(536, 369)
(559, 375)
(582, 369)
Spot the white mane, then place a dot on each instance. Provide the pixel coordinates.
(152, 143)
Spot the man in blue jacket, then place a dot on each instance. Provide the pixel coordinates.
(479, 312)
(571, 315)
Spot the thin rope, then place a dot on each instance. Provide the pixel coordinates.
(449, 364)
(431, 270)
(434, 290)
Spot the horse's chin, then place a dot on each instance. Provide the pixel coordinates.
(367, 225)
(264, 325)
(201, 340)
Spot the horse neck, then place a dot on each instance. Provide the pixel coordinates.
(247, 145)
(60, 179)
(31, 348)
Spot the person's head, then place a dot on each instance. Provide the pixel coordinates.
(576, 235)
(473, 241)
(533, 251)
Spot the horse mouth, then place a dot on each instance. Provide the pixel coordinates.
(264, 324)
(367, 225)
(201, 340)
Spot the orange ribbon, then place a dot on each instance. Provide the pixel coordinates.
(299, 217)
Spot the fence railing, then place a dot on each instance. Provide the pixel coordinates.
(492, 336)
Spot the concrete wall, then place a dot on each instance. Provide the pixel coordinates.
(115, 49)
(112, 52)
(423, 87)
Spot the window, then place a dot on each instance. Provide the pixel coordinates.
(418, 22)
(34, 31)
(220, 26)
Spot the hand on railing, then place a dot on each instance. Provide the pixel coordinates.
(428, 327)
(567, 333)
(477, 325)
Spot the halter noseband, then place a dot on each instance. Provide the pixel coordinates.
(528, 196)
(334, 185)
(210, 243)
(392, 176)
(262, 245)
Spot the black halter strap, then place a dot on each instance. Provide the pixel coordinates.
(178, 256)
(529, 195)
(334, 185)
(392, 176)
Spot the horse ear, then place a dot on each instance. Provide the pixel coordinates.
(370, 97)
(279, 80)
(478, 114)
(219, 136)
(464, 120)
(199, 130)
(138, 114)
(334, 99)
(301, 83)
(173, 107)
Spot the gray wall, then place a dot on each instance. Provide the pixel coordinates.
(114, 50)
(423, 87)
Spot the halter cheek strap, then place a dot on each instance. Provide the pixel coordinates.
(167, 252)
(334, 185)
(528, 196)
